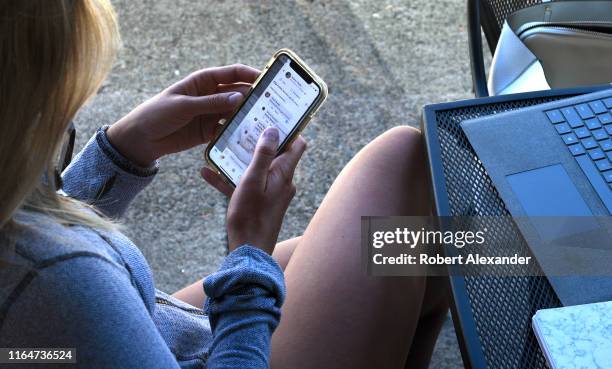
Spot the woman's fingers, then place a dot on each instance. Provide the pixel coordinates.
(219, 103)
(216, 181)
(230, 74)
(209, 123)
(243, 88)
(265, 152)
(288, 160)
(205, 81)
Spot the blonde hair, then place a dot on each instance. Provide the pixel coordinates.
(54, 55)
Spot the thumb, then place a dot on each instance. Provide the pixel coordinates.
(265, 152)
(223, 102)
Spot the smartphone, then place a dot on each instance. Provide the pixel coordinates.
(286, 95)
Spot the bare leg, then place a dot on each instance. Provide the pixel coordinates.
(284, 250)
(433, 313)
(335, 316)
(194, 293)
(357, 322)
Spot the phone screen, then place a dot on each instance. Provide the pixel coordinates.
(281, 99)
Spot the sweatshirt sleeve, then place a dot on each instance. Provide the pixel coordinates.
(101, 176)
(89, 304)
(244, 304)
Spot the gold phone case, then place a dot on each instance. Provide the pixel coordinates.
(300, 126)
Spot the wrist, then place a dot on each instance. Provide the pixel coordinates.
(263, 245)
(126, 144)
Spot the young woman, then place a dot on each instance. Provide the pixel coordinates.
(69, 278)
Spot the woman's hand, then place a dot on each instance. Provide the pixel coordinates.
(184, 115)
(258, 205)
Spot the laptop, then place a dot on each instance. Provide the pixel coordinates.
(554, 161)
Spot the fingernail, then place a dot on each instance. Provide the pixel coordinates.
(235, 98)
(271, 134)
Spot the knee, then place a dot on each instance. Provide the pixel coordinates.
(399, 150)
(403, 134)
(402, 142)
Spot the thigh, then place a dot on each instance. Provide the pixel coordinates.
(335, 316)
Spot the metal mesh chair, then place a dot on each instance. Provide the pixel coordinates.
(491, 314)
(490, 16)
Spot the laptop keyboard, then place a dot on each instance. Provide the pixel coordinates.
(586, 129)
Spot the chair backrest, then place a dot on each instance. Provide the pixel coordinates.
(493, 13)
